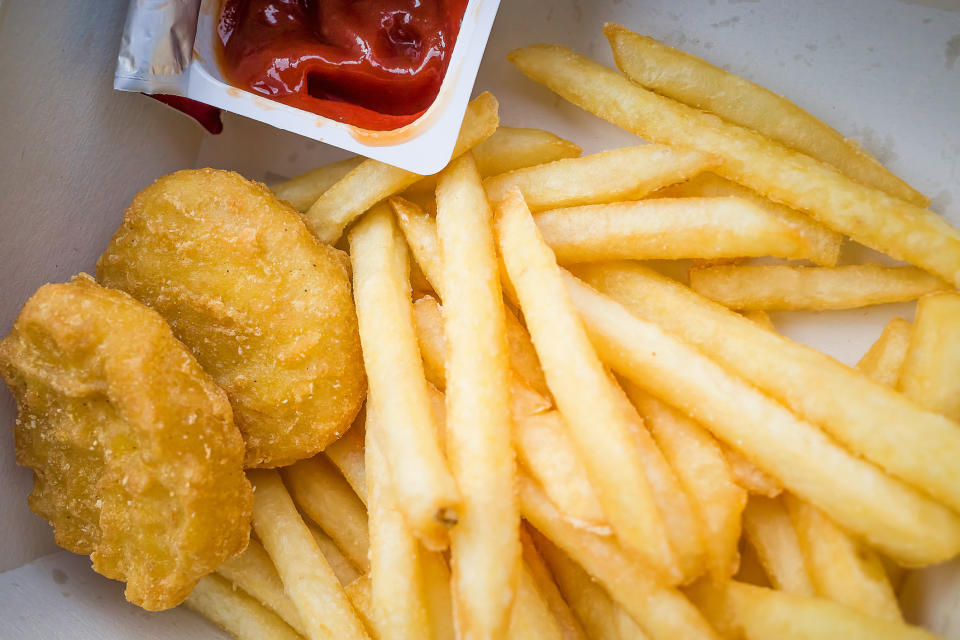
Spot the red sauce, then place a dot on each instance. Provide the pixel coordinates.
(375, 64)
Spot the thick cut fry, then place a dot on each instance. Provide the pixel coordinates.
(570, 628)
(304, 190)
(373, 181)
(871, 217)
(324, 496)
(485, 545)
(693, 81)
(822, 245)
(705, 474)
(877, 423)
(661, 611)
(764, 613)
(307, 577)
(596, 419)
(236, 612)
(770, 532)
(668, 229)
(749, 476)
(342, 568)
(782, 287)
(841, 569)
(530, 617)
(883, 361)
(931, 368)
(621, 174)
(347, 454)
(907, 525)
(424, 487)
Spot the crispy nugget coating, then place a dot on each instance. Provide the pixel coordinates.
(266, 309)
(136, 459)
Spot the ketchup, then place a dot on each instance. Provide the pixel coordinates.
(376, 64)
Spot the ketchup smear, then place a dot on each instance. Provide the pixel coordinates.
(375, 64)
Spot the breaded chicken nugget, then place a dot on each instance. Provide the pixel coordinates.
(266, 309)
(135, 455)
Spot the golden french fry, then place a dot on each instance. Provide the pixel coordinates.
(706, 476)
(347, 454)
(373, 181)
(304, 190)
(822, 245)
(840, 568)
(693, 81)
(530, 617)
(570, 628)
(596, 419)
(871, 217)
(661, 611)
(236, 612)
(760, 318)
(749, 476)
(345, 571)
(907, 525)
(439, 600)
(523, 355)
(621, 174)
(668, 229)
(424, 487)
(360, 595)
(711, 600)
(428, 321)
(931, 368)
(883, 361)
(420, 230)
(765, 613)
(875, 422)
(485, 545)
(782, 287)
(324, 496)
(306, 575)
(751, 569)
(767, 527)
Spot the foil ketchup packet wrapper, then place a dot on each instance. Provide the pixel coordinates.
(168, 48)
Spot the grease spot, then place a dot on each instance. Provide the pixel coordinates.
(59, 576)
(729, 22)
(952, 52)
(810, 46)
(941, 201)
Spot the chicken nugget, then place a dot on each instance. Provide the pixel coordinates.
(136, 459)
(266, 309)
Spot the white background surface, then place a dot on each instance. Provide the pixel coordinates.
(73, 152)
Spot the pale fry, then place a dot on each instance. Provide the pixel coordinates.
(236, 612)
(694, 81)
(871, 217)
(770, 532)
(822, 244)
(420, 230)
(931, 368)
(570, 628)
(373, 181)
(783, 288)
(485, 545)
(595, 416)
(907, 525)
(424, 487)
(530, 617)
(621, 174)
(304, 190)
(883, 361)
(749, 476)
(881, 425)
(840, 568)
(668, 229)
(342, 567)
(324, 496)
(347, 454)
(307, 577)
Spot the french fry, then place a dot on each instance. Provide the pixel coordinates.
(882, 222)
(424, 487)
(759, 318)
(667, 229)
(693, 81)
(304, 190)
(751, 569)
(711, 600)
(485, 545)
(661, 611)
(420, 230)
(523, 355)
(905, 524)
(841, 569)
(236, 612)
(749, 476)
(705, 475)
(782, 287)
(570, 628)
(931, 368)
(596, 419)
(770, 532)
(439, 600)
(765, 613)
(530, 617)
(875, 422)
(347, 454)
(428, 321)
(373, 181)
(822, 245)
(621, 174)
(883, 361)
(360, 594)
(345, 571)
(307, 577)
(324, 496)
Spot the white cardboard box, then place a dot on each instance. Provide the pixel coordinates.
(73, 152)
